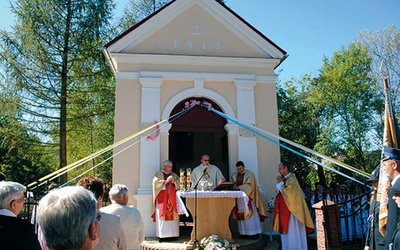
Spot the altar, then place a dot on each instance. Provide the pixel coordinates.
(213, 210)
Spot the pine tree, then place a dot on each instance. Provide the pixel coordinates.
(54, 58)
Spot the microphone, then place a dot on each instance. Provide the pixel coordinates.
(205, 170)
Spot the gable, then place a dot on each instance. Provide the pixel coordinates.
(196, 27)
(196, 32)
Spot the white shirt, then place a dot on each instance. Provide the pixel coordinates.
(395, 179)
(132, 223)
(7, 212)
(111, 234)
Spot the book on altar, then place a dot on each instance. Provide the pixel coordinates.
(224, 186)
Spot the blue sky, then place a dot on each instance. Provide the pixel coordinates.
(306, 29)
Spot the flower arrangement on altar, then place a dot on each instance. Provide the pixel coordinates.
(270, 205)
(213, 242)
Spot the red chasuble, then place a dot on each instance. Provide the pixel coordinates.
(166, 199)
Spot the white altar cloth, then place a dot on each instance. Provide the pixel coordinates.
(241, 198)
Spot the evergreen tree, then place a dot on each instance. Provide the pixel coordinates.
(54, 57)
(23, 157)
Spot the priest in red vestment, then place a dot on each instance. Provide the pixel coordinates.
(292, 217)
(165, 208)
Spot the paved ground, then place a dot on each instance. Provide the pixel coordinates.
(272, 245)
(273, 242)
(179, 244)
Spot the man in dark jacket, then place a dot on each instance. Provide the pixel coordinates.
(391, 163)
(15, 233)
(395, 239)
(374, 239)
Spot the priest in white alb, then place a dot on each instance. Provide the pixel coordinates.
(292, 217)
(249, 223)
(166, 203)
(207, 172)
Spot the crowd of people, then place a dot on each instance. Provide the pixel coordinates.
(73, 217)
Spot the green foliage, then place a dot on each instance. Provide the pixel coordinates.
(137, 10)
(22, 156)
(345, 93)
(334, 114)
(57, 90)
(54, 59)
(90, 133)
(298, 122)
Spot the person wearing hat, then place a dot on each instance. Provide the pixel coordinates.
(395, 239)
(391, 164)
(374, 239)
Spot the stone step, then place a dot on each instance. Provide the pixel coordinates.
(183, 243)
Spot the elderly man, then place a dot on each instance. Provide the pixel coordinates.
(249, 224)
(15, 233)
(292, 218)
(207, 172)
(132, 222)
(165, 209)
(68, 219)
(391, 164)
(112, 236)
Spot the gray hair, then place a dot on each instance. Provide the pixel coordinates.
(64, 216)
(117, 191)
(10, 191)
(167, 163)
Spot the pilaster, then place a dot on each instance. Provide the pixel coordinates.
(247, 142)
(149, 149)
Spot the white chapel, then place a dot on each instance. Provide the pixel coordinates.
(193, 50)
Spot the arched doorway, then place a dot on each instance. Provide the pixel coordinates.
(198, 132)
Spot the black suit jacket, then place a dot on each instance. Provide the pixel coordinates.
(17, 234)
(393, 217)
(395, 242)
(374, 239)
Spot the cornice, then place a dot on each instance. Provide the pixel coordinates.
(237, 78)
(126, 58)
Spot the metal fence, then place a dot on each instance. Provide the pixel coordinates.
(345, 224)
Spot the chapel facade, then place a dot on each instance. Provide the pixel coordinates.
(193, 50)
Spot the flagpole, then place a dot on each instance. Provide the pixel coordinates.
(390, 138)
